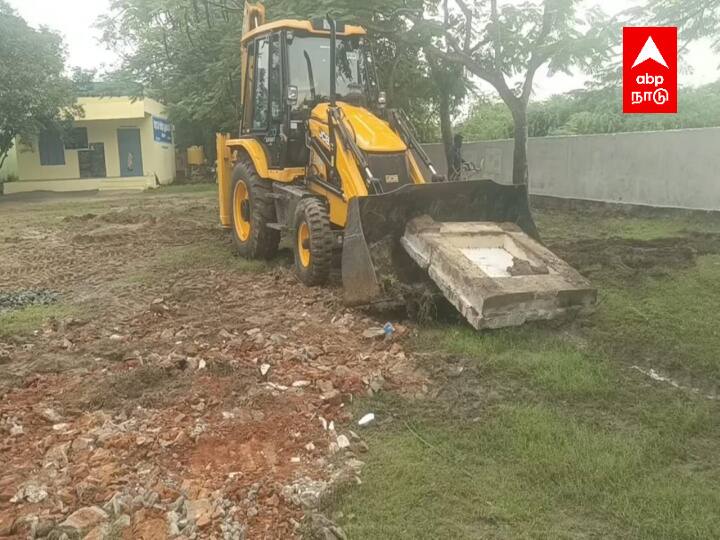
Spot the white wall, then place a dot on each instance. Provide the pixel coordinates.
(678, 168)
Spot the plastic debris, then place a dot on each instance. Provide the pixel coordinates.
(388, 329)
(376, 332)
(367, 419)
(343, 442)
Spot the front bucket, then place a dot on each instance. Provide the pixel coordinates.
(377, 222)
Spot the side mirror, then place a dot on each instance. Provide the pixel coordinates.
(382, 99)
(292, 94)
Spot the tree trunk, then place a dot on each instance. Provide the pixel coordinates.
(446, 130)
(6, 144)
(520, 159)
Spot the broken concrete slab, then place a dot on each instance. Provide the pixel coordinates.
(495, 274)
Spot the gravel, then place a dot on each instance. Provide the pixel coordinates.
(10, 301)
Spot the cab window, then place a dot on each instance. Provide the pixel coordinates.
(275, 80)
(261, 97)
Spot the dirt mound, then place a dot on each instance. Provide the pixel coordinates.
(631, 257)
(109, 233)
(127, 217)
(198, 397)
(79, 219)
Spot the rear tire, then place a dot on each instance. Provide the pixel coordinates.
(313, 242)
(252, 210)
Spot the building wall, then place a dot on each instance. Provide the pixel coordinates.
(678, 169)
(9, 168)
(111, 108)
(158, 158)
(98, 132)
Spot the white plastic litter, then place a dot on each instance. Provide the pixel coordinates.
(343, 442)
(367, 419)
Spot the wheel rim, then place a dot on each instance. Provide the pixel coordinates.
(303, 239)
(241, 196)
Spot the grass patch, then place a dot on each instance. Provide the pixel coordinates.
(25, 321)
(667, 324)
(218, 256)
(525, 471)
(548, 432)
(530, 356)
(564, 225)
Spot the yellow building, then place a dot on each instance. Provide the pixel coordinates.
(117, 144)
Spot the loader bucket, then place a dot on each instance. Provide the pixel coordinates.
(376, 223)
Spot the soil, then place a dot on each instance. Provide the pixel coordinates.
(181, 391)
(629, 257)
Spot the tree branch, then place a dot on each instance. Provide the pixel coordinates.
(495, 22)
(467, 12)
(539, 57)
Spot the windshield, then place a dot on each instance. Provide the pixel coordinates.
(309, 60)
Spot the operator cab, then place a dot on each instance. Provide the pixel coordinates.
(288, 74)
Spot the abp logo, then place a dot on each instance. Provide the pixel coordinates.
(650, 69)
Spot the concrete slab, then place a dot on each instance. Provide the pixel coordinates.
(495, 274)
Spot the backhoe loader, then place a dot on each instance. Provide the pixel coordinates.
(322, 158)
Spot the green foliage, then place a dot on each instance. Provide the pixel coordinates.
(34, 93)
(184, 53)
(488, 120)
(88, 83)
(501, 43)
(695, 18)
(593, 111)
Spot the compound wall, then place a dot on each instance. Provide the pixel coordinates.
(677, 169)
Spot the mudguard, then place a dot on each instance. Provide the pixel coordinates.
(377, 222)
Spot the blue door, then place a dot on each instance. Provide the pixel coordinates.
(131, 163)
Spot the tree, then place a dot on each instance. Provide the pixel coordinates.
(87, 82)
(487, 120)
(695, 18)
(588, 111)
(505, 45)
(34, 94)
(185, 53)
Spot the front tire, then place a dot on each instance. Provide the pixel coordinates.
(252, 210)
(313, 242)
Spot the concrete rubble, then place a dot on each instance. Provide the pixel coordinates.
(495, 274)
(109, 429)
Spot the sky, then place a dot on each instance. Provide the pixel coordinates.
(75, 19)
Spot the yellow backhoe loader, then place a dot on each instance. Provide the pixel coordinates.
(320, 156)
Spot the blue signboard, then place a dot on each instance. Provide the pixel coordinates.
(162, 130)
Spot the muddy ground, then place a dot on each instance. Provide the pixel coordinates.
(158, 386)
(175, 390)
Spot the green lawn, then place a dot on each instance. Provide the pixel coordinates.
(31, 318)
(550, 431)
